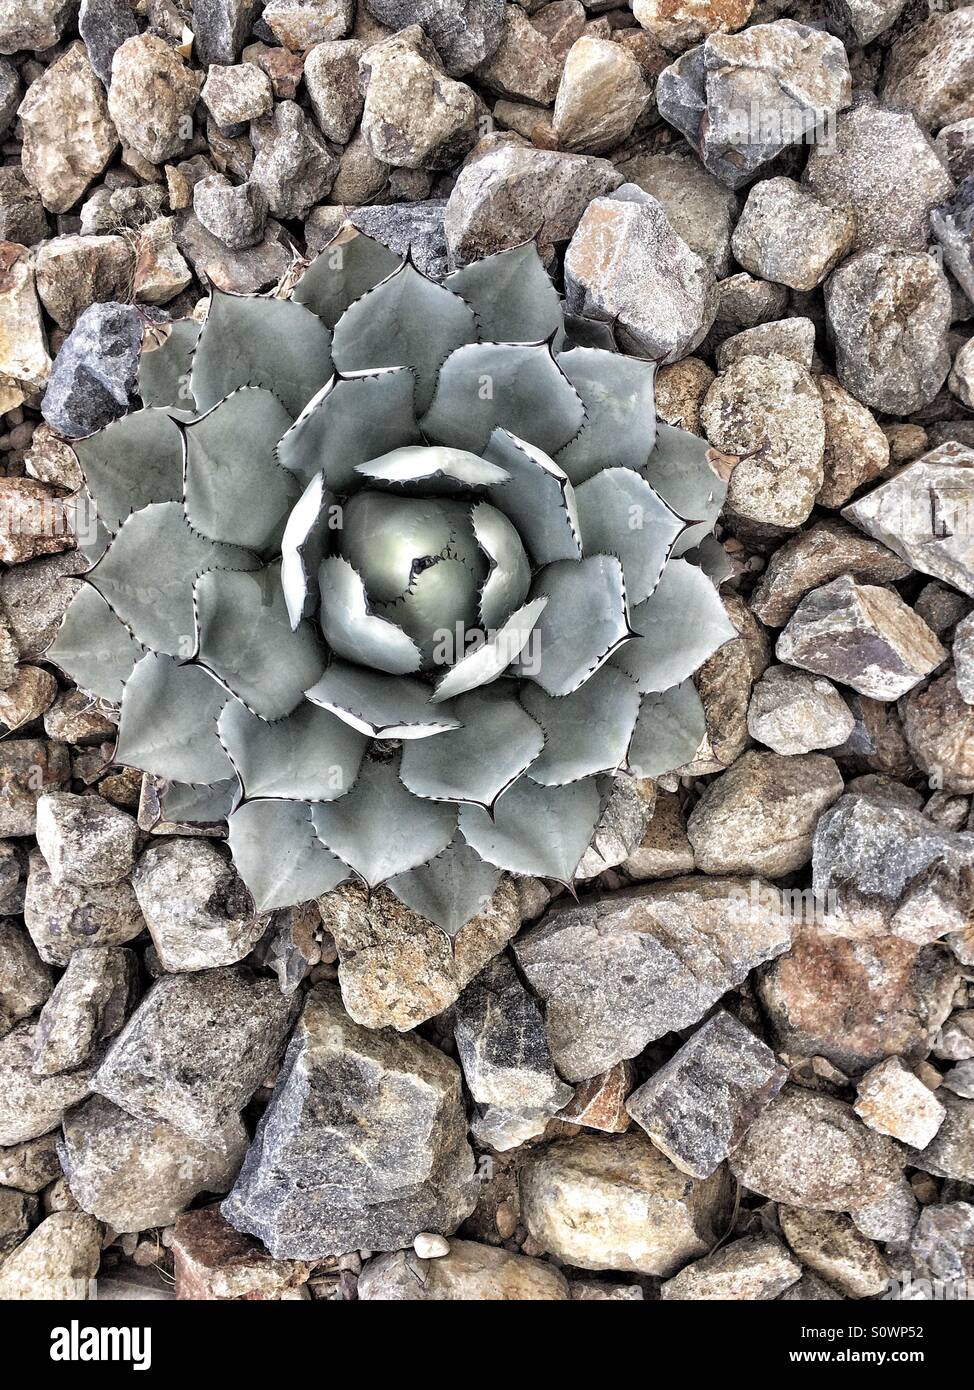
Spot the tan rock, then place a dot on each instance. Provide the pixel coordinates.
(892, 1100)
(152, 98)
(753, 1269)
(856, 449)
(33, 521)
(470, 1273)
(724, 683)
(939, 728)
(57, 1261)
(679, 24)
(680, 391)
(76, 271)
(600, 97)
(24, 361)
(829, 1244)
(160, 269)
(523, 66)
(665, 850)
(31, 693)
(68, 133)
(213, 1261)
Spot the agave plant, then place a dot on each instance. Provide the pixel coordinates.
(395, 576)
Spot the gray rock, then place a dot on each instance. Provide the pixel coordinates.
(524, 66)
(30, 1165)
(464, 32)
(90, 1003)
(63, 918)
(199, 913)
(862, 636)
(22, 216)
(36, 26)
(413, 228)
(882, 171)
(292, 164)
(18, 1213)
(469, 1273)
(85, 839)
(29, 767)
(57, 1261)
(930, 69)
(921, 514)
(861, 21)
(197, 1048)
(832, 1246)
(236, 214)
(953, 226)
(792, 338)
(152, 97)
(753, 1269)
(884, 869)
(68, 134)
(961, 379)
(237, 94)
(697, 1107)
(890, 1219)
(415, 117)
(740, 99)
(950, 1154)
(508, 192)
(809, 1150)
(760, 815)
(601, 1202)
(698, 207)
(104, 26)
(622, 824)
(616, 974)
(134, 1173)
(623, 244)
(10, 94)
(238, 272)
(888, 314)
(809, 1289)
(363, 1144)
(331, 81)
(31, 1105)
(943, 1240)
(788, 235)
(955, 145)
(94, 373)
(220, 27)
(25, 980)
(744, 302)
(794, 712)
(960, 1080)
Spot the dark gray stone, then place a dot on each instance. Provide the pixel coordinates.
(953, 226)
(464, 32)
(220, 27)
(104, 25)
(93, 378)
(9, 95)
(235, 214)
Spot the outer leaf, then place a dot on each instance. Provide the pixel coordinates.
(279, 856)
(620, 514)
(350, 420)
(352, 631)
(479, 761)
(245, 639)
(236, 491)
(309, 756)
(486, 662)
(183, 803)
(380, 829)
(381, 706)
(169, 720)
(585, 733)
(679, 627)
(679, 471)
(517, 386)
(303, 546)
(252, 341)
(131, 463)
(436, 467)
(620, 414)
(535, 830)
(93, 647)
(147, 575)
(406, 321)
(538, 499)
(512, 295)
(670, 729)
(451, 889)
(164, 373)
(506, 586)
(349, 266)
(585, 621)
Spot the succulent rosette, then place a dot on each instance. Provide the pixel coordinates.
(394, 576)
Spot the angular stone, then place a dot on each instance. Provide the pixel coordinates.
(395, 968)
(600, 98)
(36, 26)
(416, 228)
(30, 1165)
(18, 1213)
(793, 338)
(31, 1105)
(470, 1273)
(601, 1202)
(856, 449)
(794, 712)
(27, 697)
(952, 224)
(35, 597)
(623, 243)
(29, 767)
(56, 1262)
(331, 81)
(760, 815)
(621, 825)
(862, 636)
(961, 379)
(362, 1146)
(24, 361)
(787, 235)
(68, 134)
(677, 24)
(809, 1288)
(199, 913)
(724, 684)
(950, 1154)
(90, 1003)
(68, 917)
(664, 850)
(881, 170)
(508, 192)
(814, 558)
(152, 98)
(740, 99)
(464, 32)
(856, 1002)
(697, 1107)
(891, 1219)
(197, 1048)
(33, 522)
(809, 1150)
(938, 724)
(25, 980)
(292, 164)
(744, 302)
(415, 117)
(22, 217)
(700, 209)
(299, 24)
(236, 94)
(960, 1080)
(212, 1261)
(831, 1245)
(753, 1269)
(220, 27)
(104, 26)
(616, 974)
(943, 1241)
(883, 869)
(930, 69)
(768, 411)
(892, 1100)
(600, 1102)
(134, 1173)
(522, 65)
(888, 312)
(76, 271)
(94, 375)
(160, 270)
(85, 839)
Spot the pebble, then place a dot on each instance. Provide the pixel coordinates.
(788, 235)
(152, 98)
(892, 1100)
(430, 1246)
(793, 712)
(94, 375)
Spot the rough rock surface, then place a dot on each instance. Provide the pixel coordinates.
(892, 1100)
(469, 1272)
(813, 558)
(31, 1105)
(830, 1245)
(212, 1261)
(68, 134)
(753, 1269)
(794, 712)
(56, 1262)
